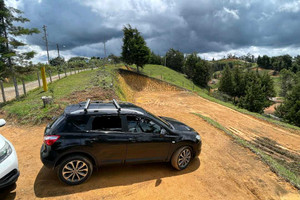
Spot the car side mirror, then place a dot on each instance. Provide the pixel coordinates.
(163, 131)
(2, 122)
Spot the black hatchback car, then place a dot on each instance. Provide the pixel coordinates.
(91, 134)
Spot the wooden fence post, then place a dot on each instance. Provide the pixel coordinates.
(38, 77)
(24, 88)
(50, 76)
(16, 87)
(2, 90)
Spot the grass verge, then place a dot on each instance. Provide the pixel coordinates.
(277, 167)
(29, 109)
(179, 79)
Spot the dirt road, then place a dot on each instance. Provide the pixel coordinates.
(10, 91)
(224, 170)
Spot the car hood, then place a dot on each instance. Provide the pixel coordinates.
(178, 125)
(2, 141)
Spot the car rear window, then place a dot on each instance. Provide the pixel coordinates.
(107, 123)
(76, 123)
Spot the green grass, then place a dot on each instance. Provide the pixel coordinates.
(179, 79)
(29, 109)
(275, 166)
(171, 76)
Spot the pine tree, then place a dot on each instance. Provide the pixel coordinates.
(202, 73)
(190, 65)
(134, 49)
(239, 84)
(289, 110)
(9, 42)
(254, 99)
(226, 82)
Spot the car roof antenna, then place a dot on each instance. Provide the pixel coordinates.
(86, 106)
(116, 105)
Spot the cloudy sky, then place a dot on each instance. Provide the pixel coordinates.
(212, 28)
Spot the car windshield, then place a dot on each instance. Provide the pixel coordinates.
(160, 119)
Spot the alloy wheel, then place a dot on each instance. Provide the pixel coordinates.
(184, 158)
(75, 171)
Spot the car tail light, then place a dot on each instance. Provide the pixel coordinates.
(50, 139)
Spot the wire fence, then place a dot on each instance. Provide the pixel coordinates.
(9, 93)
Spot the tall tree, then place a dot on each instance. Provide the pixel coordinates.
(134, 49)
(286, 80)
(254, 99)
(226, 82)
(190, 65)
(289, 110)
(239, 84)
(202, 73)
(57, 61)
(175, 60)
(267, 85)
(9, 41)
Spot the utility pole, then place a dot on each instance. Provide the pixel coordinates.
(46, 40)
(57, 50)
(104, 54)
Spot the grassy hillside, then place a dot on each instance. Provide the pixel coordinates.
(88, 84)
(179, 79)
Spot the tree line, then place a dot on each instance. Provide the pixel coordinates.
(249, 89)
(289, 110)
(278, 63)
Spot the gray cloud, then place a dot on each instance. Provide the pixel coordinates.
(190, 26)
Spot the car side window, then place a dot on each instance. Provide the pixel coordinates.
(107, 123)
(76, 123)
(140, 124)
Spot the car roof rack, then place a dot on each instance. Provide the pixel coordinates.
(86, 106)
(116, 105)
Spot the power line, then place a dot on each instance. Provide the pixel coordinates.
(46, 40)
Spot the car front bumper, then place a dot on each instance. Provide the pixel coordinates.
(9, 170)
(9, 178)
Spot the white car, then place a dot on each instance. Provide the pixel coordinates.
(9, 170)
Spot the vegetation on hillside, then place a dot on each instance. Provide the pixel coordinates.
(250, 90)
(97, 84)
(289, 110)
(278, 63)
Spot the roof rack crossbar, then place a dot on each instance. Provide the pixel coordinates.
(87, 104)
(116, 105)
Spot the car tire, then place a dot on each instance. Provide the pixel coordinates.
(181, 158)
(75, 170)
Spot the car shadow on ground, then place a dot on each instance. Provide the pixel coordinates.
(8, 193)
(47, 184)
